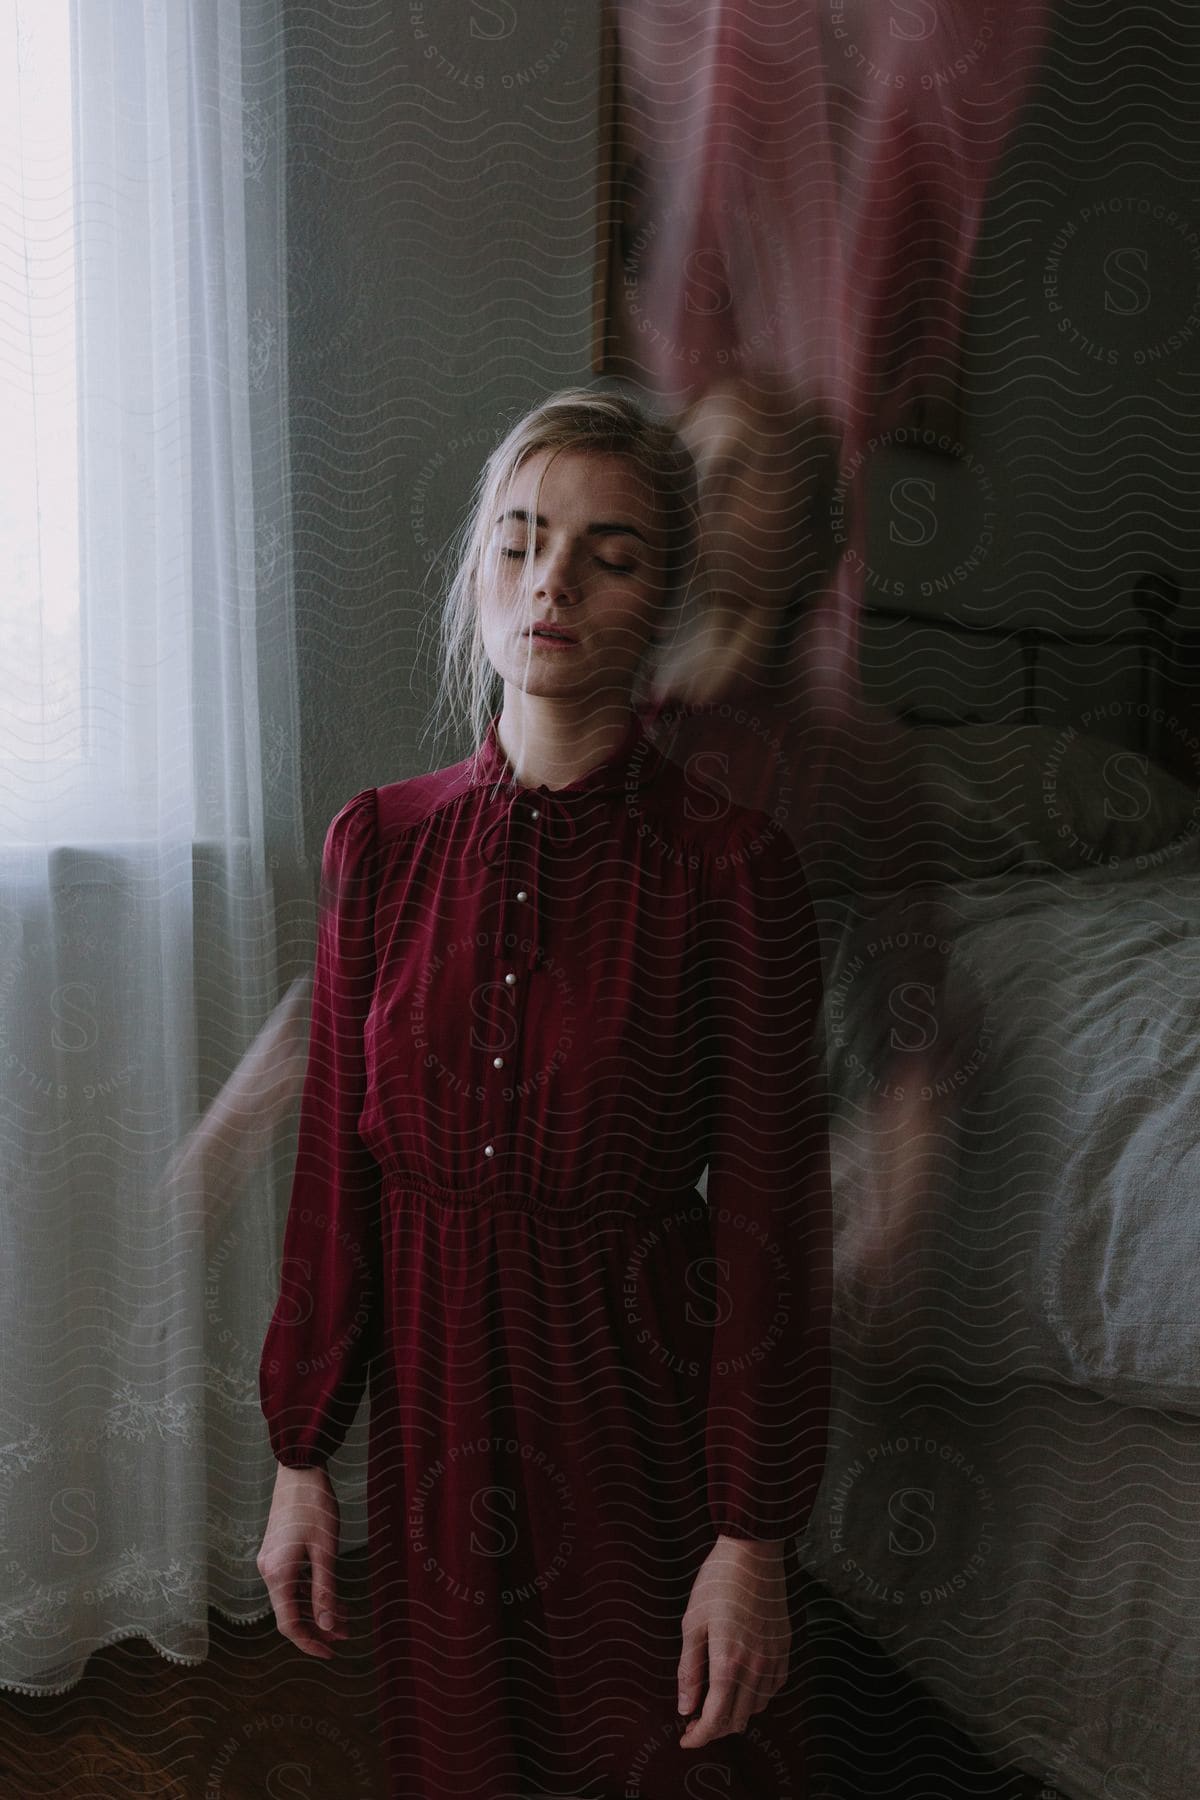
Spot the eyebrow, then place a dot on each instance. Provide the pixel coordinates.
(600, 528)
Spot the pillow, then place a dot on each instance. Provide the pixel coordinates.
(988, 798)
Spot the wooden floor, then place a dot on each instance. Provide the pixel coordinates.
(260, 1721)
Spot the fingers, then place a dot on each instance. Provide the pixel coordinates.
(302, 1588)
(283, 1578)
(693, 1666)
(326, 1608)
(734, 1697)
(716, 1719)
(746, 1697)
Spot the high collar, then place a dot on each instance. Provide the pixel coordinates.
(632, 762)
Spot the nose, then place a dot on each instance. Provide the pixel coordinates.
(554, 579)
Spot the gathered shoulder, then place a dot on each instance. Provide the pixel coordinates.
(349, 842)
(352, 828)
(403, 805)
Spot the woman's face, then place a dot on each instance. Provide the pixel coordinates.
(596, 570)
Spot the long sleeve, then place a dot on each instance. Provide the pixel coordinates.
(768, 1189)
(317, 1350)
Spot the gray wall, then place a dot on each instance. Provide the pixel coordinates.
(440, 201)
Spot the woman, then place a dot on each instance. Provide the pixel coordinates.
(554, 981)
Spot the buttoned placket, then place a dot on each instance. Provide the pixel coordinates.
(520, 912)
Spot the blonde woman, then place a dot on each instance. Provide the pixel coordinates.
(555, 981)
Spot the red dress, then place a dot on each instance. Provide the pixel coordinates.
(537, 1015)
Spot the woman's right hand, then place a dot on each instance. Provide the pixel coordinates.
(302, 1532)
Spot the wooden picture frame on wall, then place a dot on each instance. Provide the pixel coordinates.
(623, 224)
(607, 182)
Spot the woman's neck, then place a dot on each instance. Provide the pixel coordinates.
(554, 742)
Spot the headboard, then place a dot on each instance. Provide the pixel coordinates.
(941, 670)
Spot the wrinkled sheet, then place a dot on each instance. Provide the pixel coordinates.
(1063, 1219)
(1010, 1499)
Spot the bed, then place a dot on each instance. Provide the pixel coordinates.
(1011, 1496)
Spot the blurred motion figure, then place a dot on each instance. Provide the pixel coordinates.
(816, 174)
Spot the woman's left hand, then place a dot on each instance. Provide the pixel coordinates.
(737, 1635)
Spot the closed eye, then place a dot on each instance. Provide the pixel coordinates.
(617, 568)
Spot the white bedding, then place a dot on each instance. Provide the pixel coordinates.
(1013, 1490)
(1063, 1227)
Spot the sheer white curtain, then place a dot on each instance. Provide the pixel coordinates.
(149, 818)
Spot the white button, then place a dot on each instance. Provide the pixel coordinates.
(521, 894)
(489, 1150)
(497, 1062)
(534, 813)
(509, 979)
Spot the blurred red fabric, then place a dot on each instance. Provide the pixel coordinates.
(831, 158)
(816, 172)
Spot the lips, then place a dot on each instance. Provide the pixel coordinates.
(557, 633)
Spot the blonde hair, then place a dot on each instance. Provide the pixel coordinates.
(580, 419)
